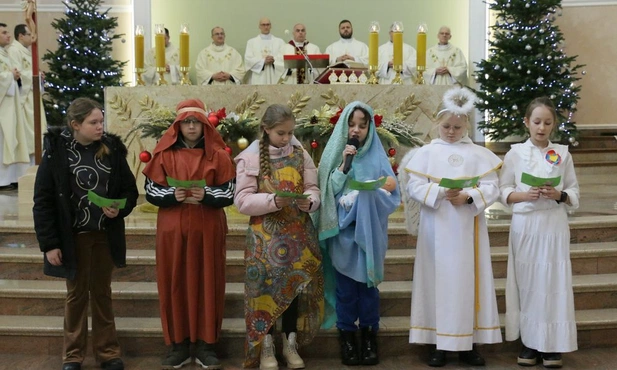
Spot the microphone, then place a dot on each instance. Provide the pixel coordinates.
(347, 166)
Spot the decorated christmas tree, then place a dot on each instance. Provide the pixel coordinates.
(82, 65)
(526, 60)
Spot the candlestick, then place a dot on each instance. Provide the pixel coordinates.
(421, 53)
(139, 53)
(397, 59)
(373, 50)
(159, 48)
(184, 45)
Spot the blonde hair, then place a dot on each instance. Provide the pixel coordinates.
(79, 109)
(274, 116)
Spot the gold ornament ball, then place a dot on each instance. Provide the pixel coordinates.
(242, 143)
(392, 160)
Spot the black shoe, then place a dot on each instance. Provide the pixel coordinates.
(527, 357)
(472, 358)
(349, 348)
(368, 347)
(71, 366)
(437, 359)
(113, 364)
(9, 188)
(205, 356)
(552, 360)
(178, 356)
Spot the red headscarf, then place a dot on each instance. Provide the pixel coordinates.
(185, 109)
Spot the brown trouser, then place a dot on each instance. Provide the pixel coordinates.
(93, 280)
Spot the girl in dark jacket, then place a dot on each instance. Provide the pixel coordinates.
(83, 242)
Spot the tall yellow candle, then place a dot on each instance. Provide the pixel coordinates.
(159, 48)
(139, 51)
(184, 49)
(421, 47)
(397, 40)
(373, 47)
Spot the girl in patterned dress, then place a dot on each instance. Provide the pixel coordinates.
(277, 187)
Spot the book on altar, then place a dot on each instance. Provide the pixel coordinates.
(349, 65)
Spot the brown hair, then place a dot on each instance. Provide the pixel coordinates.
(274, 115)
(539, 102)
(79, 109)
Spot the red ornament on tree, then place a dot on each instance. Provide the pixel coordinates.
(228, 150)
(395, 168)
(314, 144)
(391, 152)
(145, 156)
(213, 119)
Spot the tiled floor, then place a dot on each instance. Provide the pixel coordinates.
(588, 359)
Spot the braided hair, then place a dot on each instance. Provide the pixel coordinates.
(274, 115)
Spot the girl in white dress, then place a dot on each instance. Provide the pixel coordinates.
(539, 297)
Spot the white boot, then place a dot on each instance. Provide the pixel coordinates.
(290, 352)
(268, 359)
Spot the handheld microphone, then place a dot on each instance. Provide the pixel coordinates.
(347, 166)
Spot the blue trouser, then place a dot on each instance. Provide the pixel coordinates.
(356, 301)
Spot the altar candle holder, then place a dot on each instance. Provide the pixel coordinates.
(159, 43)
(373, 53)
(184, 54)
(139, 54)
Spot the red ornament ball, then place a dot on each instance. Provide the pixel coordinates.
(228, 150)
(314, 144)
(391, 152)
(395, 168)
(213, 119)
(145, 156)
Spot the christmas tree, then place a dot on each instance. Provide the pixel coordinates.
(526, 61)
(82, 65)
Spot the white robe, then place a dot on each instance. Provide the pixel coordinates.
(14, 158)
(292, 79)
(22, 57)
(443, 310)
(214, 59)
(172, 58)
(257, 49)
(539, 296)
(445, 56)
(386, 55)
(353, 47)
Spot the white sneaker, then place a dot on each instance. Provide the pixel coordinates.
(268, 359)
(290, 352)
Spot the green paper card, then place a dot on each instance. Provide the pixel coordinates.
(185, 183)
(100, 201)
(532, 180)
(367, 185)
(459, 183)
(288, 194)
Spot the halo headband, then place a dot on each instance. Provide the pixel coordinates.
(459, 101)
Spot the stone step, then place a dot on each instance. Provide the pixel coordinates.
(27, 263)
(37, 297)
(143, 336)
(583, 229)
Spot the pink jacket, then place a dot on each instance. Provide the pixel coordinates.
(252, 203)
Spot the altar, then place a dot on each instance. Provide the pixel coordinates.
(127, 107)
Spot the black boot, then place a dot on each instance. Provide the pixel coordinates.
(349, 348)
(368, 347)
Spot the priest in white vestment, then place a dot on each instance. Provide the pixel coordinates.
(298, 46)
(263, 58)
(219, 63)
(14, 156)
(386, 73)
(445, 63)
(172, 64)
(20, 53)
(347, 48)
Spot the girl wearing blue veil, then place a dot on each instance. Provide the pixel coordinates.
(353, 231)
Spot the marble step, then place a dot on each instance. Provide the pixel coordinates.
(37, 297)
(143, 336)
(27, 263)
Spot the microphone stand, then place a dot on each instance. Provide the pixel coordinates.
(308, 61)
